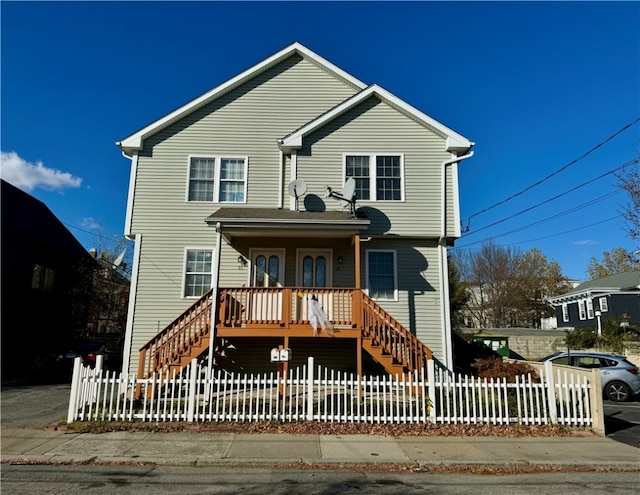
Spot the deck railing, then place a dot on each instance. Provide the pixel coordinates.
(280, 308)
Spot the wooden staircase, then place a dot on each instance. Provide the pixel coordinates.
(187, 337)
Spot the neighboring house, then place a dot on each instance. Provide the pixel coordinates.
(110, 301)
(41, 269)
(228, 202)
(591, 303)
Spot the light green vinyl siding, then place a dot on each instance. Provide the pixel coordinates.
(246, 122)
(375, 127)
(418, 306)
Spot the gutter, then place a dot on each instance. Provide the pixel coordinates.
(442, 259)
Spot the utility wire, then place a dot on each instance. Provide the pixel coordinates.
(551, 235)
(612, 171)
(561, 169)
(553, 217)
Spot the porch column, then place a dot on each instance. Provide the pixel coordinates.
(357, 253)
(215, 276)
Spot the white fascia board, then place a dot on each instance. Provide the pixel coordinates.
(455, 141)
(135, 140)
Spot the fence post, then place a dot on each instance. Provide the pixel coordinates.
(595, 400)
(310, 388)
(192, 390)
(75, 387)
(551, 391)
(431, 376)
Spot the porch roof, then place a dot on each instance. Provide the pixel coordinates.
(263, 222)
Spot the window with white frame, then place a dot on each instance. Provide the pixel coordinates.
(590, 309)
(382, 274)
(197, 278)
(378, 177)
(565, 312)
(217, 179)
(604, 304)
(581, 310)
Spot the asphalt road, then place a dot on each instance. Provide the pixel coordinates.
(622, 421)
(129, 480)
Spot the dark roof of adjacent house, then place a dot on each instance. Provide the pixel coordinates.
(621, 281)
(29, 219)
(627, 281)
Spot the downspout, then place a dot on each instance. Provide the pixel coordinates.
(214, 298)
(442, 260)
(281, 182)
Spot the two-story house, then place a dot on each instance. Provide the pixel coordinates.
(593, 302)
(241, 208)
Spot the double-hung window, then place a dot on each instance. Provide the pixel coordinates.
(590, 309)
(378, 177)
(604, 304)
(217, 179)
(565, 312)
(581, 310)
(197, 278)
(382, 279)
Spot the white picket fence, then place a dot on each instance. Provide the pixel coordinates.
(315, 393)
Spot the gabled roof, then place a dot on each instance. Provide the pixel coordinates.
(32, 222)
(454, 141)
(622, 282)
(134, 141)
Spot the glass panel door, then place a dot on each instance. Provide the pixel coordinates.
(267, 270)
(314, 271)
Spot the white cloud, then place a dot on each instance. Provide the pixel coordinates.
(91, 224)
(28, 176)
(585, 242)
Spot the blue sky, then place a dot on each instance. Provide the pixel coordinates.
(535, 84)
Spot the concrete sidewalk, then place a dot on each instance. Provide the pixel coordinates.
(205, 449)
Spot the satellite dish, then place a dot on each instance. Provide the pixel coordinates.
(118, 261)
(296, 189)
(348, 194)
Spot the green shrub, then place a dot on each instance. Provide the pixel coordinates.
(581, 338)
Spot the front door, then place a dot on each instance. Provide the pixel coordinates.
(267, 270)
(314, 270)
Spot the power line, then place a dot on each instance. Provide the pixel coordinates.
(561, 169)
(553, 217)
(551, 235)
(612, 171)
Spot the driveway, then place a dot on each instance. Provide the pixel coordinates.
(29, 406)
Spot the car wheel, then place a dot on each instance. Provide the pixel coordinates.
(618, 391)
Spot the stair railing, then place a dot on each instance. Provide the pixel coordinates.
(394, 338)
(187, 330)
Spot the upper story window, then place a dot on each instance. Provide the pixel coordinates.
(42, 277)
(197, 279)
(217, 179)
(378, 177)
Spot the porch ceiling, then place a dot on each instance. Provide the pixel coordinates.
(270, 222)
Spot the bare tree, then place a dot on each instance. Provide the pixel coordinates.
(492, 275)
(630, 182)
(508, 288)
